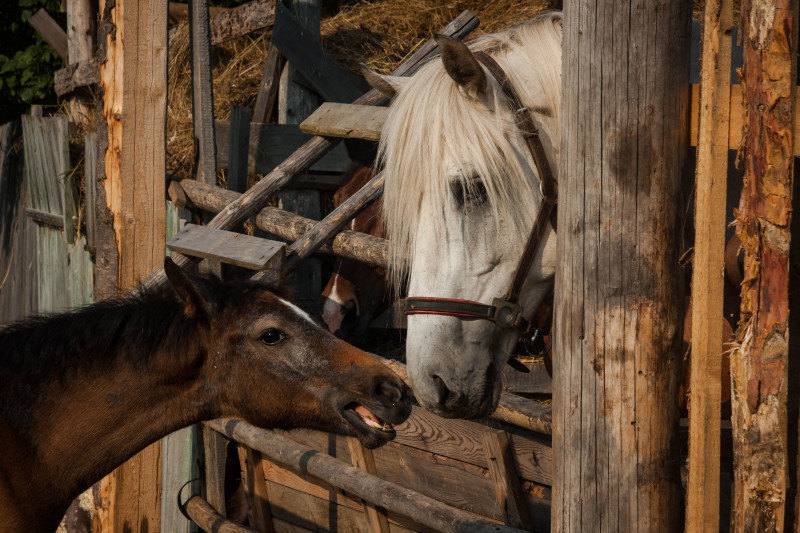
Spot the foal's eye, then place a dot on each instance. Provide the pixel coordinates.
(469, 193)
(272, 336)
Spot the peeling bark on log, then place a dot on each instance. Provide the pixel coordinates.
(759, 366)
(75, 76)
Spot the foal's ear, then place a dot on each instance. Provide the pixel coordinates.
(195, 305)
(388, 86)
(462, 66)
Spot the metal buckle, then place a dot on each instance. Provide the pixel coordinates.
(505, 312)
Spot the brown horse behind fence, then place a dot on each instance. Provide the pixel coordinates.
(82, 392)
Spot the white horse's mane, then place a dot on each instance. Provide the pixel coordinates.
(432, 121)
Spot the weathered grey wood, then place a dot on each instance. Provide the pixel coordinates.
(202, 92)
(68, 184)
(239, 145)
(536, 381)
(241, 20)
(90, 184)
(313, 150)
(336, 220)
(268, 89)
(618, 298)
(227, 247)
(43, 217)
(300, 44)
(346, 120)
(271, 144)
(506, 481)
(215, 452)
(51, 32)
(77, 75)
(393, 497)
(350, 244)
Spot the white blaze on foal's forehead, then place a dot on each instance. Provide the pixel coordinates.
(296, 310)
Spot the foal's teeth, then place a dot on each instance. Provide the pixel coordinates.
(371, 420)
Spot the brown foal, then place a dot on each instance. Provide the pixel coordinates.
(82, 392)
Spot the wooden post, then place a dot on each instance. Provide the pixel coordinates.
(202, 93)
(708, 284)
(295, 103)
(80, 47)
(759, 367)
(624, 145)
(130, 201)
(361, 457)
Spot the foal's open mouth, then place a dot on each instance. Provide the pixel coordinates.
(365, 420)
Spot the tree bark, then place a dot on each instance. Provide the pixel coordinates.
(624, 148)
(759, 366)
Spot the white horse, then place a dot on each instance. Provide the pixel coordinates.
(461, 195)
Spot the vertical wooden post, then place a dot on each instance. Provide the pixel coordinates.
(295, 103)
(702, 500)
(131, 216)
(624, 145)
(80, 46)
(361, 457)
(759, 366)
(202, 93)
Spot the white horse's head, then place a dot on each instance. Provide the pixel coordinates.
(461, 196)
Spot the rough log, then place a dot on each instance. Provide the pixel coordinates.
(618, 301)
(253, 200)
(390, 496)
(75, 76)
(349, 244)
(759, 367)
(708, 283)
(203, 514)
(227, 24)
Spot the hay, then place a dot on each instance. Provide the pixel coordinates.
(379, 33)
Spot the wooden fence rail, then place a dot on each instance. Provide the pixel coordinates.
(390, 496)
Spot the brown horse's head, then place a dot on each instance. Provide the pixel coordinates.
(267, 361)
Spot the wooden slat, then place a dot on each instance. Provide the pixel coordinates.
(506, 483)
(90, 184)
(537, 381)
(362, 458)
(67, 183)
(51, 32)
(304, 50)
(271, 144)
(239, 148)
(268, 88)
(56, 221)
(260, 496)
(202, 92)
(227, 247)
(708, 284)
(346, 120)
(215, 452)
(311, 152)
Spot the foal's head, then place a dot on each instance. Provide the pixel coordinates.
(265, 360)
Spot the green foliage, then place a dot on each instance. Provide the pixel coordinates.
(27, 63)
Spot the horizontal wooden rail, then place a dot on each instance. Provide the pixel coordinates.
(512, 409)
(254, 199)
(349, 244)
(57, 221)
(390, 496)
(208, 519)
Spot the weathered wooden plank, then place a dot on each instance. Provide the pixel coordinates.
(349, 244)
(708, 283)
(81, 15)
(227, 247)
(202, 92)
(239, 147)
(66, 181)
(241, 20)
(78, 75)
(346, 120)
(312, 151)
(268, 88)
(90, 184)
(362, 458)
(506, 483)
(271, 144)
(260, 496)
(215, 453)
(51, 32)
(537, 381)
(179, 465)
(763, 365)
(416, 506)
(56, 221)
(302, 48)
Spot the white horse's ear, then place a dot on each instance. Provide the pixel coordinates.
(558, 24)
(388, 86)
(462, 66)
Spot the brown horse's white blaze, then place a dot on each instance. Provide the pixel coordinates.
(82, 392)
(356, 293)
(461, 195)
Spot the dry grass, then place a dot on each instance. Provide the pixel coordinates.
(380, 33)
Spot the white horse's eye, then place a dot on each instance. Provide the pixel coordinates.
(469, 193)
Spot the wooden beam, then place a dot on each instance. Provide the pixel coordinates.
(537, 381)
(418, 507)
(215, 455)
(312, 151)
(204, 515)
(241, 20)
(239, 147)
(51, 32)
(82, 74)
(202, 93)
(506, 480)
(268, 88)
(377, 521)
(708, 283)
(346, 120)
(255, 475)
(56, 221)
(618, 310)
(760, 363)
(301, 46)
(228, 247)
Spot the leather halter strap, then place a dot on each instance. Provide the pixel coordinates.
(505, 312)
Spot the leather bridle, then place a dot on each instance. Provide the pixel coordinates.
(505, 311)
